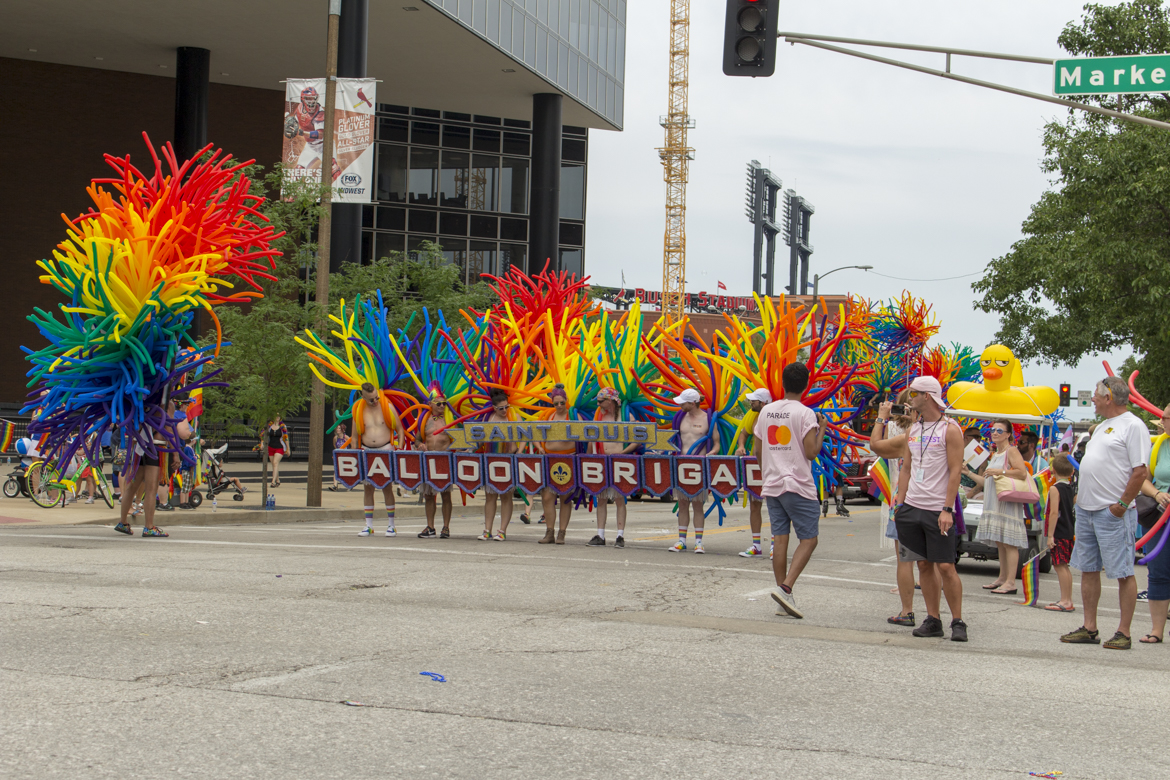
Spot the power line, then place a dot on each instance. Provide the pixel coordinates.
(915, 279)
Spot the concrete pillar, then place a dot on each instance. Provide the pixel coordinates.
(544, 220)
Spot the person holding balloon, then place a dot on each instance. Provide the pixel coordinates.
(1157, 487)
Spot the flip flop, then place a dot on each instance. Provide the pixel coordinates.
(993, 586)
(1151, 639)
(1054, 607)
(1011, 592)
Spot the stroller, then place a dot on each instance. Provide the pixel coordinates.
(215, 477)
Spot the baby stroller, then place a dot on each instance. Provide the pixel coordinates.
(215, 477)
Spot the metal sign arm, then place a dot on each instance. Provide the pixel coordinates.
(794, 38)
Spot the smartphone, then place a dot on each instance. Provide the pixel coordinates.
(898, 409)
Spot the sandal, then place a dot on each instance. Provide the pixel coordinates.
(1151, 639)
(1011, 592)
(1055, 607)
(993, 586)
(902, 620)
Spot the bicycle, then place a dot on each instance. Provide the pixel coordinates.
(52, 489)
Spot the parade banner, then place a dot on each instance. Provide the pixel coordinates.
(378, 468)
(530, 471)
(468, 471)
(408, 469)
(689, 475)
(439, 472)
(592, 474)
(625, 474)
(657, 475)
(475, 434)
(562, 474)
(347, 467)
(353, 135)
(752, 477)
(723, 477)
(499, 473)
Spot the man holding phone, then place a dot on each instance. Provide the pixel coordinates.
(927, 484)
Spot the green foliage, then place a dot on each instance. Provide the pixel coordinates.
(1092, 271)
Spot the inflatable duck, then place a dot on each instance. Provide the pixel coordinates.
(1001, 391)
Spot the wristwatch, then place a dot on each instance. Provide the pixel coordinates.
(950, 510)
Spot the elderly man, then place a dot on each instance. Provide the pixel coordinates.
(1112, 472)
(759, 398)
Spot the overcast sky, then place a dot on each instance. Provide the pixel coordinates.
(917, 176)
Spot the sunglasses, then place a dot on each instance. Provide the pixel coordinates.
(440, 403)
(500, 408)
(915, 394)
(1000, 431)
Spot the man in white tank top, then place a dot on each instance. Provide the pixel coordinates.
(927, 484)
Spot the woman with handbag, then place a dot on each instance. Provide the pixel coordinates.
(1151, 503)
(1002, 521)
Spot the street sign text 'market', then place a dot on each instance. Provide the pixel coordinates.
(1112, 75)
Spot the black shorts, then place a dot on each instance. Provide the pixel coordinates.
(918, 532)
(148, 461)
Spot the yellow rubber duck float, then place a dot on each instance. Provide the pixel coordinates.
(1002, 391)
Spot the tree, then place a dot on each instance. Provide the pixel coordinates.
(1092, 271)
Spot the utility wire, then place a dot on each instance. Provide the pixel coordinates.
(915, 279)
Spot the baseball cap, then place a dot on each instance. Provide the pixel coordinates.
(690, 395)
(760, 394)
(930, 386)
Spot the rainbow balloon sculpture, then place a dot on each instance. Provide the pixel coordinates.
(151, 251)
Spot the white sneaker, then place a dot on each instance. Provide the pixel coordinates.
(786, 602)
(699, 548)
(89, 500)
(365, 531)
(391, 532)
(751, 552)
(677, 547)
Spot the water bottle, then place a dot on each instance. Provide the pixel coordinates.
(214, 504)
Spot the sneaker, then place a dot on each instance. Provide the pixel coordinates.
(1143, 595)
(498, 536)
(678, 547)
(164, 507)
(751, 552)
(596, 541)
(787, 602)
(902, 620)
(1082, 636)
(524, 518)
(1119, 642)
(484, 537)
(367, 531)
(426, 533)
(117, 498)
(156, 531)
(89, 500)
(391, 532)
(699, 548)
(541, 520)
(958, 631)
(124, 528)
(619, 542)
(931, 627)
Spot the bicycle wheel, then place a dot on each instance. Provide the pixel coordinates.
(48, 490)
(12, 488)
(103, 486)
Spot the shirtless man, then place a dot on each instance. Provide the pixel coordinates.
(693, 427)
(549, 499)
(434, 440)
(758, 399)
(499, 414)
(609, 410)
(376, 427)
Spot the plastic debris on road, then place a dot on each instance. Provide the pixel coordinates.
(434, 676)
(349, 703)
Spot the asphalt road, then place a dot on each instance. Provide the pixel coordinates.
(227, 652)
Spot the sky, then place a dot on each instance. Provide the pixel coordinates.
(920, 177)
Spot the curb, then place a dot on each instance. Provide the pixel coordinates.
(264, 516)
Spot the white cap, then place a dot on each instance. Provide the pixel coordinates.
(690, 395)
(760, 394)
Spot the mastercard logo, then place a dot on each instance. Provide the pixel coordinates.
(779, 434)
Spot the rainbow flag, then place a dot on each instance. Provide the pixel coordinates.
(1031, 579)
(879, 471)
(7, 431)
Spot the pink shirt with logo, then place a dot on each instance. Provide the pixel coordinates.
(780, 429)
(928, 458)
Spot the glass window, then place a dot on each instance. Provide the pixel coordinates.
(572, 150)
(367, 245)
(425, 133)
(514, 186)
(530, 43)
(572, 233)
(517, 143)
(479, 18)
(541, 52)
(602, 38)
(424, 176)
(481, 259)
(563, 27)
(493, 20)
(572, 192)
(392, 175)
(367, 216)
(485, 173)
(487, 120)
(518, 36)
(426, 112)
(620, 70)
(414, 244)
(514, 229)
(465, 13)
(423, 221)
(593, 11)
(523, 124)
(455, 116)
(483, 227)
(563, 67)
(456, 137)
(542, 10)
(453, 180)
(391, 219)
(513, 255)
(487, 140)
(571, 261)
(392, 129)
(506, 26)
(453, 224)
(611, 61)
(554, 15)
(385, 243)
(574, 21)
(389, 108)
(592, 87)
(455, 253)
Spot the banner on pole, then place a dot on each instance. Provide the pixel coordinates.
(353, 135)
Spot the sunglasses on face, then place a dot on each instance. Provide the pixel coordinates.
(501, 408)
(1000, 431)
(440, 403)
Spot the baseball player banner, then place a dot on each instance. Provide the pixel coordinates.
(353, 135)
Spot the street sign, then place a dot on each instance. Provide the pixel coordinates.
(1111, 75)
(1084, 397)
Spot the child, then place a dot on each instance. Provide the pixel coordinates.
(1060, 530)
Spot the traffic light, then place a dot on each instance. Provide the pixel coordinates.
(749, 37)
(1065, 395)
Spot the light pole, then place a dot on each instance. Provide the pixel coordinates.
(817, 277)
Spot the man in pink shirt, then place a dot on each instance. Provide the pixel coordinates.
(788, 438)
(927, 485)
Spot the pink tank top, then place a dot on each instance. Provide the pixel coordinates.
(929, 472)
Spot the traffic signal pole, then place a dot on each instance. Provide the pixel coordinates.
(818, 41)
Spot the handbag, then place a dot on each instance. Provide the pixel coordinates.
(1148, 511)
(1016, 491)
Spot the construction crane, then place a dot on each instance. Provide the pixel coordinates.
(676, 157)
